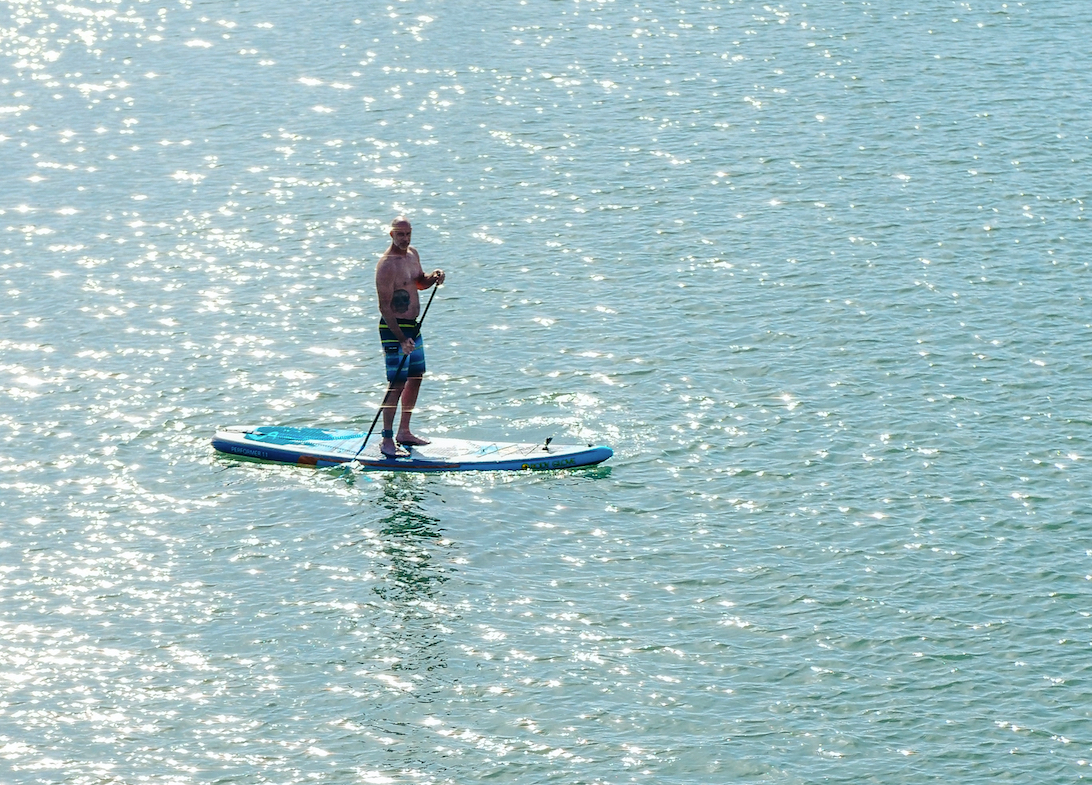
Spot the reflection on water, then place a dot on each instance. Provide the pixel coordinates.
(409, 535)
(403, 646)
(411, 544)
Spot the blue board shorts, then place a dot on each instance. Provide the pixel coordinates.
(414, 367)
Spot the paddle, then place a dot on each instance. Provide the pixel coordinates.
(390, 385)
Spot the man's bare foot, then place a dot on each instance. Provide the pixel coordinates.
(392, 450)
(410, 440)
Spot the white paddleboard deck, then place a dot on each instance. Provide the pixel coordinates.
(321, 447)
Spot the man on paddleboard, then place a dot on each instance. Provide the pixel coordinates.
(398, 278)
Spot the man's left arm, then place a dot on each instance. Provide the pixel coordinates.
(426, 280)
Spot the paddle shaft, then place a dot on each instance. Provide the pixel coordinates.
(390, 385)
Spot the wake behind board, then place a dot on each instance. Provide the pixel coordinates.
(321, 447)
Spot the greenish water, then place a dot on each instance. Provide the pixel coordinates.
(818, 273)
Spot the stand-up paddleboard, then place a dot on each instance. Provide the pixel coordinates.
(321, 447)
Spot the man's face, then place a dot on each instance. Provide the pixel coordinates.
(400, 235)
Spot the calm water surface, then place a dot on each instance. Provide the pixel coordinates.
(818, 272)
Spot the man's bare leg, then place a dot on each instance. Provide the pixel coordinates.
(390, 403)
(409, 400)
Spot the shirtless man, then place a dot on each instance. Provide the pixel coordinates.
(398, 278)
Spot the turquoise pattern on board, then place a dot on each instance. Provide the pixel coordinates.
(277, 434)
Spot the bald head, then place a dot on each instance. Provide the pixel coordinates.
(401, 232)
